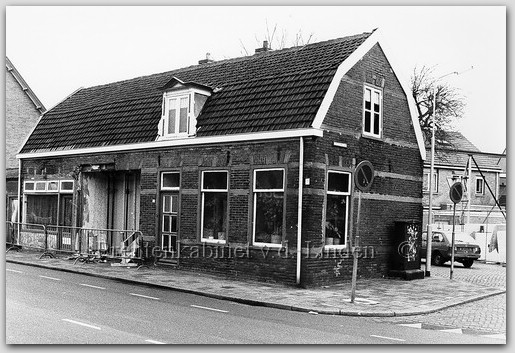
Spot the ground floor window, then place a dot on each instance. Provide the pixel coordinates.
(337, 207)
(41, 209)
(214, 206)
(268, 206)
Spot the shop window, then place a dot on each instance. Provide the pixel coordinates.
(268, 206)
(337, 207)
(372, 112)
(214, 206)
(42, 201)
(41, 209)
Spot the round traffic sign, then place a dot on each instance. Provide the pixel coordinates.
(364, 175)
(456, 192)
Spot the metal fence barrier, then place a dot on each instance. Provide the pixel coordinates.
(86, 244)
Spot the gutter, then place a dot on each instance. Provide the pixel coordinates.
(219, 139)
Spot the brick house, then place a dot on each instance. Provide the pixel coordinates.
(486, 182)
(241, 167)
(22, 111)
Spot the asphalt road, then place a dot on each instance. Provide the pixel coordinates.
(53, 307)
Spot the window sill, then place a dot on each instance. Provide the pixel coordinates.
(174, 137)
(212, 241)
(339, 246)
(267, 245)
(372, 137)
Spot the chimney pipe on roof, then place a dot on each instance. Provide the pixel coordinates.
(207, 59)
(264, 48)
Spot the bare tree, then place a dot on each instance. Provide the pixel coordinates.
(450, 103)
(277, 38)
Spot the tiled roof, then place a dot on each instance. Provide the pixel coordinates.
(273, 90)
(455, 150)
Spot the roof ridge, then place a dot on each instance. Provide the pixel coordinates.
(236, 59)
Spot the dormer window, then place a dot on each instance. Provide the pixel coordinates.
(176, 115)
(182, 104)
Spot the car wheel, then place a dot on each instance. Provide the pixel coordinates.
(468, 263)
(438, 259)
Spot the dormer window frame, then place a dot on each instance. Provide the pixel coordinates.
(177, 95)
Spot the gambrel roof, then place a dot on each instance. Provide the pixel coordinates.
(269, 91)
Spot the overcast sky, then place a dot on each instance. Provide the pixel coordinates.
(59, 49)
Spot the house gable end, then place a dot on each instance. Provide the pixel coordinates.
(375, 41)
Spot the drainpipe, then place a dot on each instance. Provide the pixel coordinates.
(299, 209)
(20, 202)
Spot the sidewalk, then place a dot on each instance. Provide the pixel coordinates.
(374, 297)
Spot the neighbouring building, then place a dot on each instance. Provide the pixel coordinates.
(484, 174)
(22, 111)
(241, 167)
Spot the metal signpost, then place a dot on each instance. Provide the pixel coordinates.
(456, 195)
(363, 177)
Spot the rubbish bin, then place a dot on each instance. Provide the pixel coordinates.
(405, 257)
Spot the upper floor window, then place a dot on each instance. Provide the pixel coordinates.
(480, 186)
(372, 112)
(434, 182)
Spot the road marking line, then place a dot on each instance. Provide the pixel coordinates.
(52, 278)
(82, 324)
(7, 269)
(452, 330)
(91, 286)
(389, 338)
(144, 296)
(212, 309)
(155, 342)
(498, 336)
(412, 325)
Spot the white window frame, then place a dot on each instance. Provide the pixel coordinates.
(435, 181)
(29, 183)
(372, 92)
(482, 191)
(170, 188)
(203, 191)
(254, 203)
(176, 99)
(339, 193)
(46, 183)
(64, 190)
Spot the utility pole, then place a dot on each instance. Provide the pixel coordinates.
(431, 172)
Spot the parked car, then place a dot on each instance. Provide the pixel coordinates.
(465, 251)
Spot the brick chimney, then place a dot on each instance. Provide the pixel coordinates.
(264, 48)
(207, 60)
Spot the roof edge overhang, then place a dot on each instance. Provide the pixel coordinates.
(191, 141)
(461, 168)
(375, 38)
